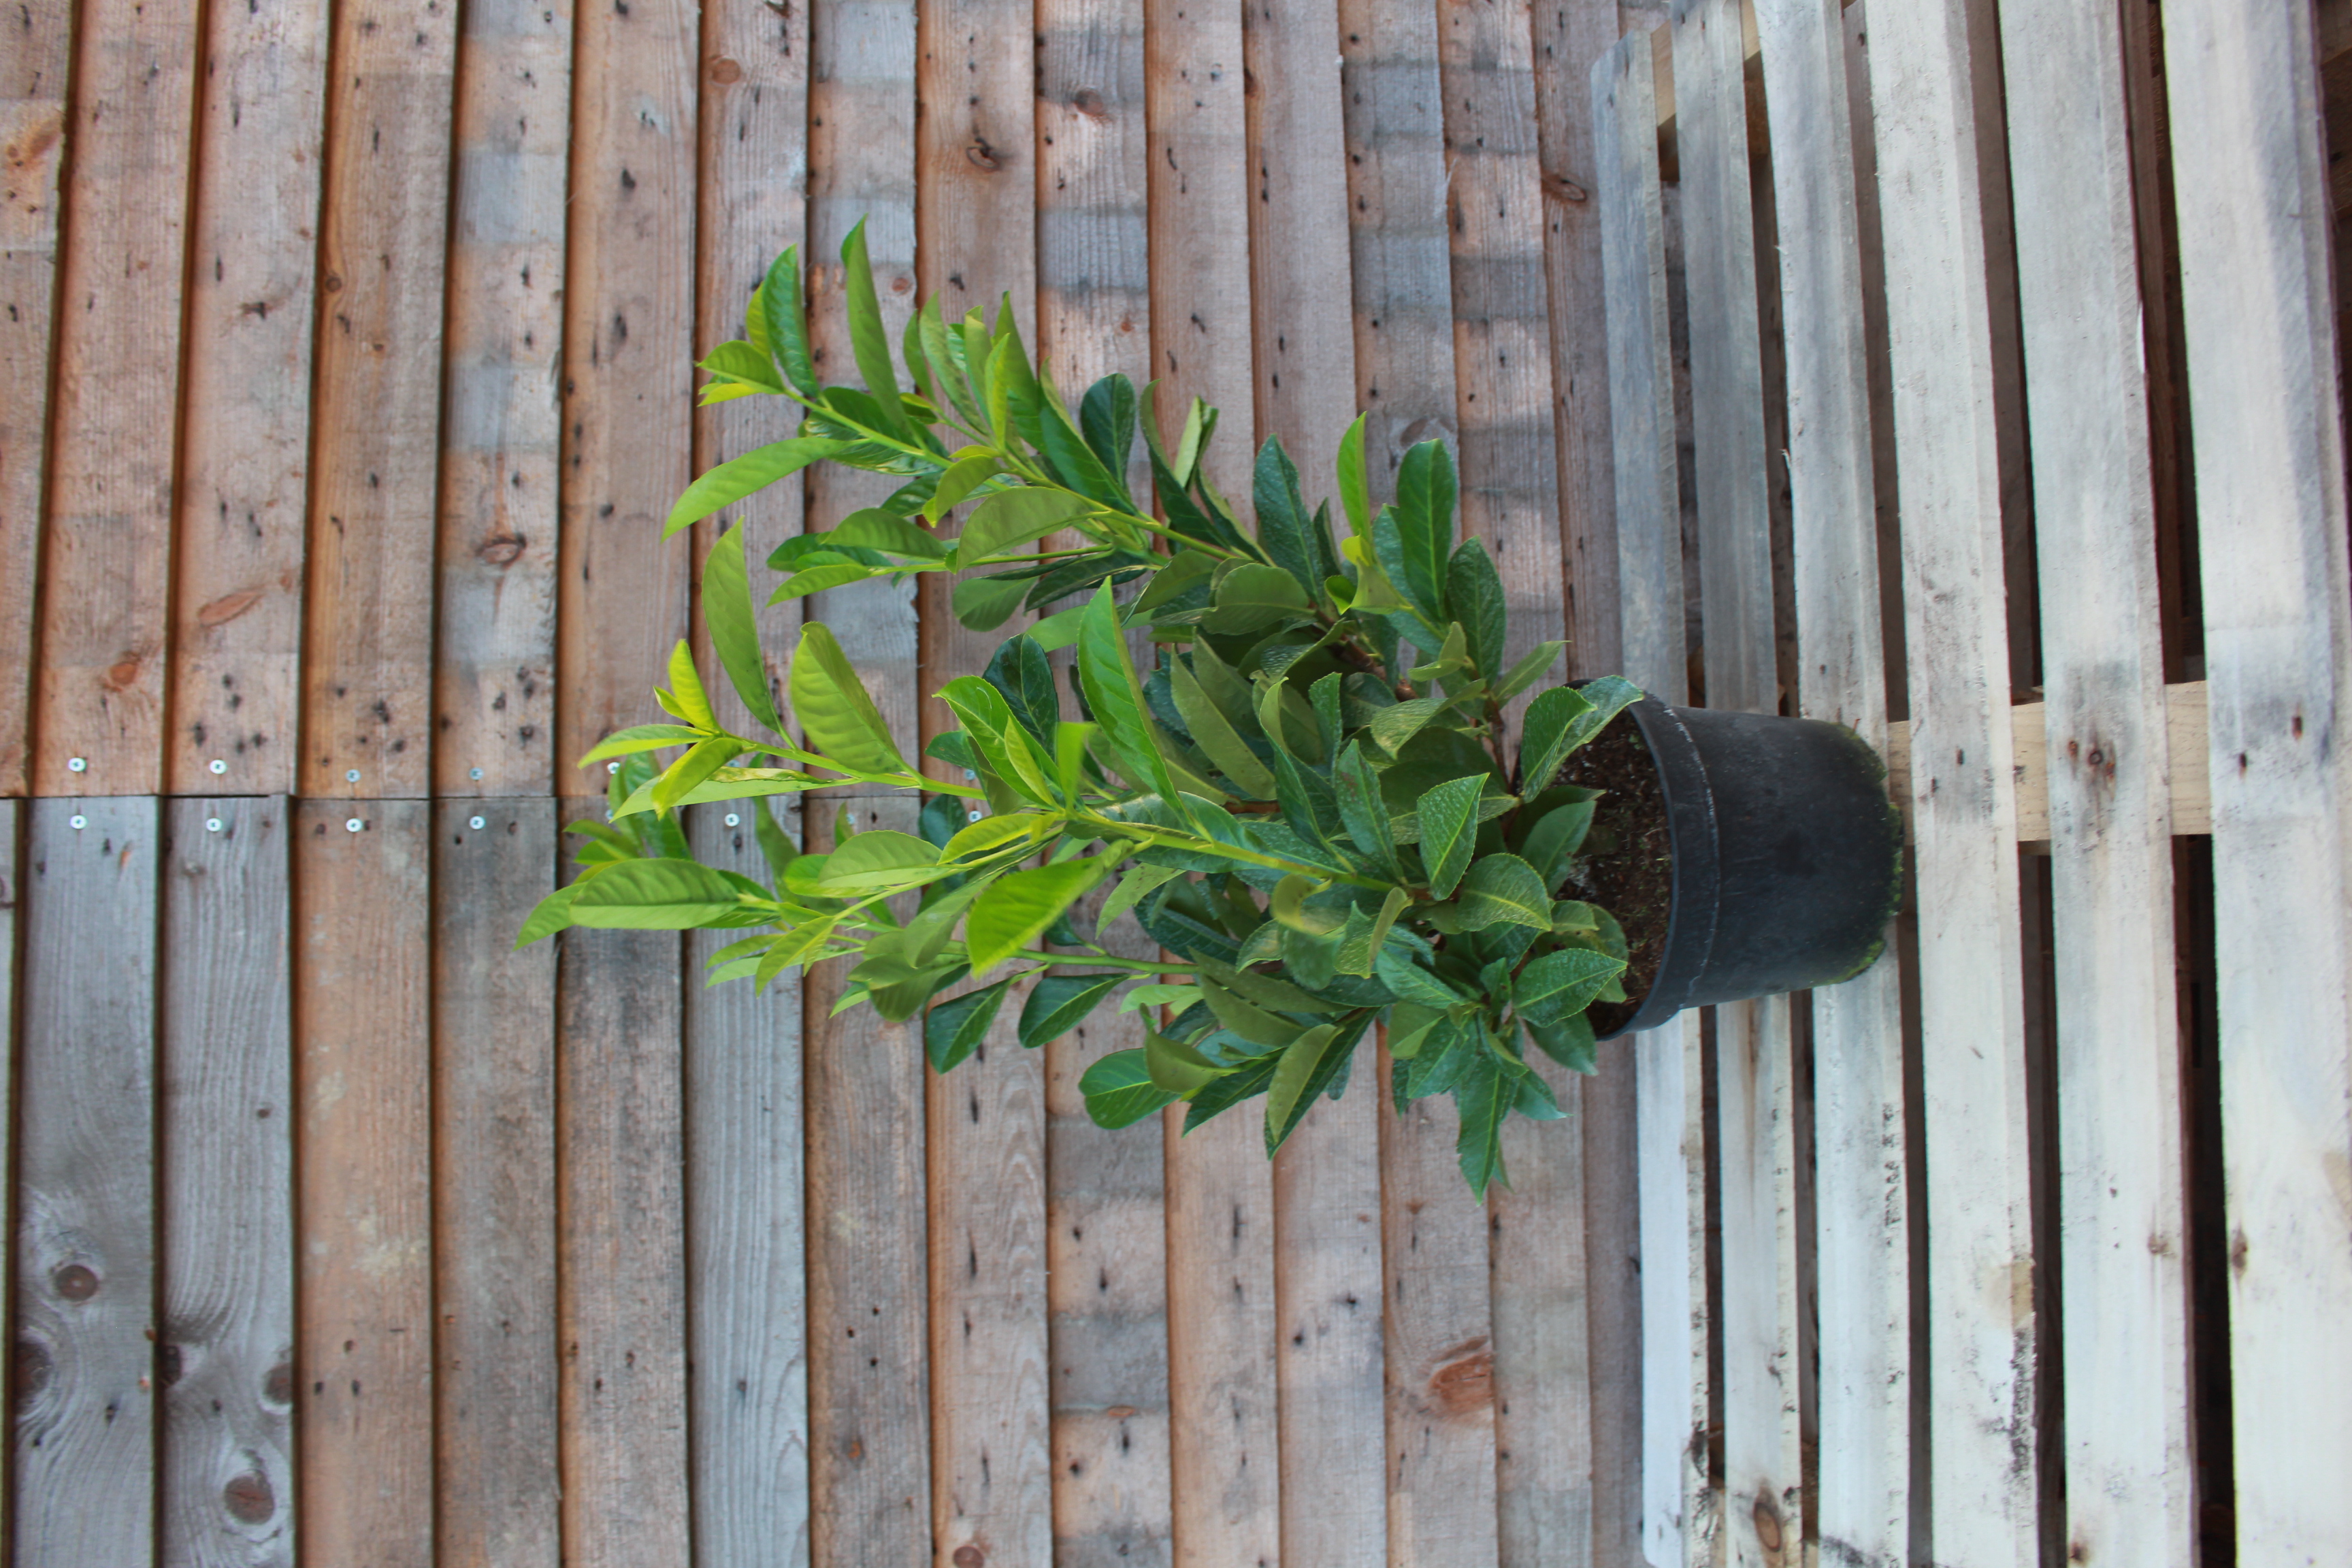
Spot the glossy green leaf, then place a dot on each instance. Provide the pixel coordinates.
(1108, 677)
(550, 915)
(1414, 538)
(1176, 1067)
(985, 604)
(1409, 1024)
(1474, 599)
(1245, 1018)
(1283, 528)
(1012, 518)
(1531, 667)
(1355, 489)
(1107, 420)
(868, 342)
(1010, 751)
(1060, 1003)
(953, 1029)
(876, 860)
(1119, 1091)
(641, 738)
(684, 777)
(1568, 1042)
(1556, 838)
(1018, 908)
(734, 631)
(1448, 830)
(955, 487)
(836, 713)
(755, 470)
(818, 579)
(1557, 985)
(1563, 718)
(1392, 727)
(1132, 888)
(1356, 782)
(877, 528)
(1215, 735)
(802, 945)
(776, 846)
(1307, 1068)
(745, 363)
(1251, 597)
(1503, 890)
(1485, 1100)
(685, 689)
(782, 308)
(668, 895)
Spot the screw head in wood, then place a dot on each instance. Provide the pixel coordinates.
(612, 767)
(733, 820)
(475, 823)
(216, 766)
(77, 765)
(352, 825)
(972, 816)
(211, 824)
(77, 822)
(351, 775)
(474, 773)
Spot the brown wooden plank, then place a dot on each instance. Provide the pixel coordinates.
(1093, 296)
(991, 1479)
(362, 1066)
(12, 821)
(869, 1395)
(245, 441)
(367, 688)
(86, 1241)
(746, 1243)
(32, 150)
(106, 555)
(494, 1195)
(621, 1273)
(227, 1334)
(494, 668)
(1222, 1418)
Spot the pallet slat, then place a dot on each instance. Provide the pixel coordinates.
(86, 1226)
(12, 820)
(2264, 407)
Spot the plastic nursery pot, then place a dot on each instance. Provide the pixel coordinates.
(1787, 857)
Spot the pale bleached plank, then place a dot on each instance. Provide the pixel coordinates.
(1981, 1327)
(494, 663)
(362, 1180)
(32, 151)
(106, 556)
(2130, 1477)
(495, 1354)
(1764, 1501)
(244, 442)
(1224, 1458)
(2264, 405)
(12, 820)
(367, 652)
(228, 1346)
(746, 1240)
(86, 1231)
(1862, 1500)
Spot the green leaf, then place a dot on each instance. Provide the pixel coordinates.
(685, 687)
(1253, 597)
(835, 712)
(1530, 668)
(777, 849)
(745, 363)
(1557, 837)
(802, 945)
(962, 476)
(1009, 750)
(1355, 959)
(641, 738)
(1286, 531)
(1131, 888)
(1116, 698)
(734, 631)
(1355, 489)
(1357, 784)
(1413, 538)
(1307, 1068)
(1252, 1023)
(755, 470)
(817, 579)
(1503, 890)
(1485, 1100)
(1177, 996)
(782, 308)
(1570, 1043)
(868, 339)
(878, 528)
(1015, 517)
(1017, 910)
(1177, 1067)
(684, 777)
(874, 860)
(1563, 718)
(551, 914)
(1473, 597)
(1398, 972)
(953, 1029)
(1558, 985)
(1449, 823)
(1025, 677)
(1215, 735)
(668, 895)
(1106, 419)
(992, 834)
(1392, 727)
(1119, 1091)
(985, 604)
(1060, 1002)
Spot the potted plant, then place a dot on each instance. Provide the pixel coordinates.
(1312, 795)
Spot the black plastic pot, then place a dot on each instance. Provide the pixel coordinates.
(1787, 855)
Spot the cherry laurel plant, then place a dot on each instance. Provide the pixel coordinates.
(1309, 795)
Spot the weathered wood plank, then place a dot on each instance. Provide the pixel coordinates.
(495, 1354)
(1094, 293)
(32, 150)
(1981, 1329)
(245, 441)
(12, 821)
(2264, 405)
(1764, 1501)
(869, 1394)
(628, 353)
(748, 1331)
(1862, 1499)
(362, 1175)
(2129, 1473)
(227, 1333)
(106, 557)
(86, 1231)
(367, 654)
(621, 1292)
(1222, 1410)
(494, 667)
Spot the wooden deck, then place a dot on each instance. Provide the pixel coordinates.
(1968, 375)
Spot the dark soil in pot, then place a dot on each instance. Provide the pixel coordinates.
(1634, 880)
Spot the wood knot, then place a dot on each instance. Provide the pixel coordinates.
(75, 1282)
(1464, 1380)
(1560, 188)
(726, 72)
(227, 607)
(1767, 1516)
(501, 549)
(123, 673)
(33, 1366)
(278, 1384)
(1089, 102)
(970, 1556)
(983, 156)
(249, 1498)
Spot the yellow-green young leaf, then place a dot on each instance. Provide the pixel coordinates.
(946, 359)
(817, 579)
(1503, 890)
(1296, 1069)
(1176, 1067)
(1007, 748)
(689, 773)
(1355, 490)
(992, 834)
(641, 738)
(686, 685)
(734, 631)
(779, 309)
(553, 914)
(835, 713)
(877, 528)
(876, 861)
(756, 469)
(964, 475)
(802, 944)
(868, 342)
(1015, 517)
(1262, 946)
(1017, 910)
(1449, 829)
(1217, 738)
(745, 363)
(1177, 997)
(668, 895)
(1131, 889)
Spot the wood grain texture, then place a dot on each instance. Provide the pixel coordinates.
(367, 661)
(2270, 517)
(1094, 287)
(227, 1334)
(246, 436)
(494, 1191)
(869, 1380)
(363, 1181)
(494, 657)
(12, 822)
(745, 1244)
(1223, 1409)
(105, 559)
(621, 1255)
(1764, 1499)
(2130, 1474)
(1862, 1497)
(628, 355)
(87, 1285)
(33, 109)
(1982, 1330)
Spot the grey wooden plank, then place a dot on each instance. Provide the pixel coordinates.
(12, 821)
(1862, 1261)
(495, 1355)
(227, 1338)
(621, 1295)
(2266, 405)
(86, 1241)
(746, 1240)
